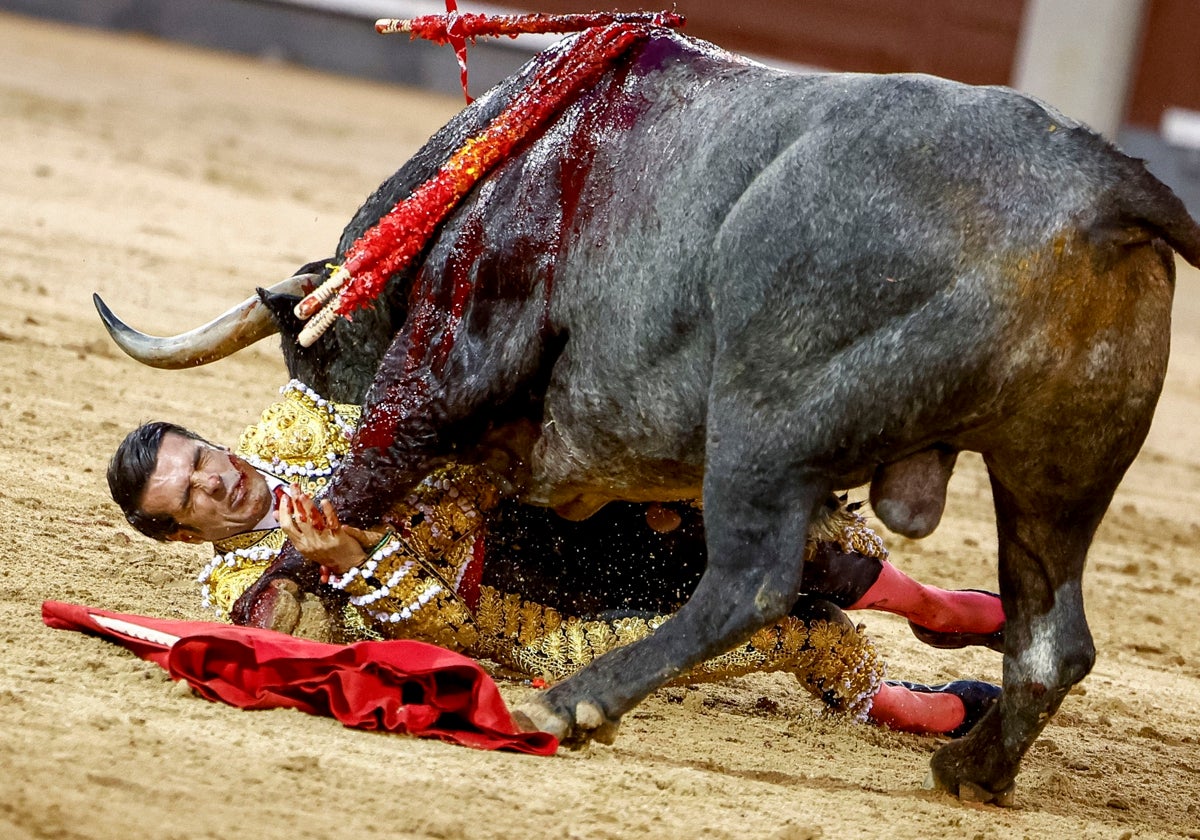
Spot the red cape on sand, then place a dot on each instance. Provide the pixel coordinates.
(397, 686)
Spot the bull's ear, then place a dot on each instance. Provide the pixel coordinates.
(308, 364)
(280, 304)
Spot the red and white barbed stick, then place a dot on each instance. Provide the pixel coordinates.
(441, 29)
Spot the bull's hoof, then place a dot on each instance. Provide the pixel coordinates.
(278, 607)
(590, 723)
(971, 792)
(953, 770)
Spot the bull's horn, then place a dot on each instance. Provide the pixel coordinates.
(238, 328)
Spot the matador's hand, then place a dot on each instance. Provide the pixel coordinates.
(318, 535)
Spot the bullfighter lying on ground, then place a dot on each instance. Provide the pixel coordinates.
(457, 566)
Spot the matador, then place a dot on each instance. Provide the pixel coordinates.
(459, 565)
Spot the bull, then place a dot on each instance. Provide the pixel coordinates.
(707, 279)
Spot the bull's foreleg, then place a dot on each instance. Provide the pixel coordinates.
(438, 386)
(757, 512)
(403, 431)
(424, 406)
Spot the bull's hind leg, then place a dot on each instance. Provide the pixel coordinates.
(1043, 545)
(1055, 462)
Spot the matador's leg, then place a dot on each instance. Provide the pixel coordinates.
(951, 709)
(828, 670)
(847, 564)
(834, 662)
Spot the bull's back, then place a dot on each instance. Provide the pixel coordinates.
(695, 208)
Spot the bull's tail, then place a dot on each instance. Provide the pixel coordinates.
(1149, 209)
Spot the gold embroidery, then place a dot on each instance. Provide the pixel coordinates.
(848, 529)
(832, 660)
(301, 430)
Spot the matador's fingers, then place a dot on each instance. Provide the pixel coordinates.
(284, 512)
(331, 517)
(366, 539)
(303, 504)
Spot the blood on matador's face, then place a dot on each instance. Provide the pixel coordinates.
(209, 491)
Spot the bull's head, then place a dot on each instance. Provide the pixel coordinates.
(339, 365)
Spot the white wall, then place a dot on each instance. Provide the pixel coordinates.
(1078, 55)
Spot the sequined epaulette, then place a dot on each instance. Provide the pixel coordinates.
(300, 438)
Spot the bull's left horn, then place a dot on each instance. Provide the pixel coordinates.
(238, 328)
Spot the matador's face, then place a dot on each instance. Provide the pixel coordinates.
(209, 491)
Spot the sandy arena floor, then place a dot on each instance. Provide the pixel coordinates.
(173, 181)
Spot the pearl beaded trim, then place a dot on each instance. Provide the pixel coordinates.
(307, 470)
(406, 612)
(368, 568)
(385, 590)
(231, 559)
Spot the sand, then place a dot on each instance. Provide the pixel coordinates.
(172, 181)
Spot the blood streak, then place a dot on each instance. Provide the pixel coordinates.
(392, 244)
(442, 296)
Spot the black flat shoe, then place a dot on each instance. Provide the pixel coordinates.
(976, 696)
(953, 641)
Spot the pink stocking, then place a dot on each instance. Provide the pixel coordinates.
(950, 611)
(897, 707)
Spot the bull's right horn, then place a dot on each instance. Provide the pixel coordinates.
(238, 328)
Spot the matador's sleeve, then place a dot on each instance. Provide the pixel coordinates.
(422, 580)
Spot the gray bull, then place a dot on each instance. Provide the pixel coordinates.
(708, 279)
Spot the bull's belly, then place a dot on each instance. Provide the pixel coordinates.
(578, 464)
(579, 501)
